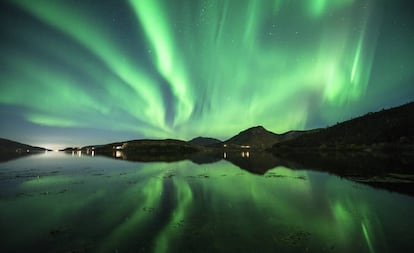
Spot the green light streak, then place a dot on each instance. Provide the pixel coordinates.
(367, 237)
(120, 96)
(50, 121)
(40, 78)
(151, 16)
(357, 60)
(46, 182)
(184, 198)
(150, 198)
(75, 24)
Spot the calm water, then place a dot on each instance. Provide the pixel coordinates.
(61, 203)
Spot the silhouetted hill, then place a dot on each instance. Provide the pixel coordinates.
(256, 137)
(13, 146)
(11, 149)
(69, 149)
(204, 141)
(159, 146)
(386, 129)
(290, 135)
(145, 150)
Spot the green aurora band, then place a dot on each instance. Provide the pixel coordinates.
(173, 68)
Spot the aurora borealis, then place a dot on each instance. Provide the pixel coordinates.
(81, 72)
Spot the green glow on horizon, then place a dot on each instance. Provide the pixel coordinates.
(177, 69)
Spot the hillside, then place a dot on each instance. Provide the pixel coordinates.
(159, 146)
(386, 129)
(12, 149)
(143, 148)
(8, 146)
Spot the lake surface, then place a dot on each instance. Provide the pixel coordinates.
(57, 202)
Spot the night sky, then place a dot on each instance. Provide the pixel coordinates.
(84, 72)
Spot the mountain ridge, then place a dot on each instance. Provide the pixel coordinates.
(12, 149)
(7, 145)
(386, 129)
(374, 130)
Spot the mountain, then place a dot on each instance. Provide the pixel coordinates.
(256, 137)
(12, 149)
(384, 130)
(9, 146)
(204, 141)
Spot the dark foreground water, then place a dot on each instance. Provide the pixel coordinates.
(61, 203)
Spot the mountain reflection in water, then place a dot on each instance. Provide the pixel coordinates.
(63, 203)
(389, 171)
